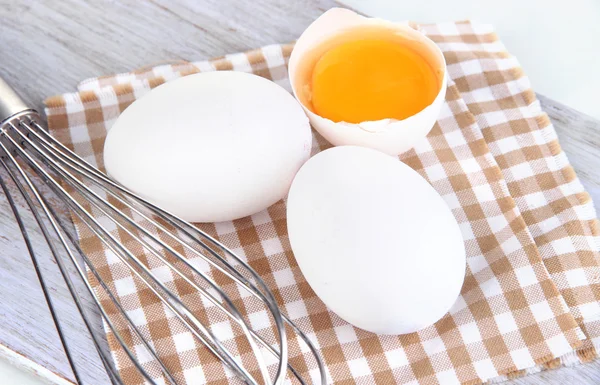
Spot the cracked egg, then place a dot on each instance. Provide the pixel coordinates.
(367, 81)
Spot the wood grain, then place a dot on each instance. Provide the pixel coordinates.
(47, 47)
(579, 137)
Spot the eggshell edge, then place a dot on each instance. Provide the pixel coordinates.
(390, 136)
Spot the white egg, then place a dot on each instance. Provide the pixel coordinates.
(374, 240)
(391, 136)
(210, 147)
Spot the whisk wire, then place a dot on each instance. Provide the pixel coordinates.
(114, 300)
(94, 198)
(194, 234)
(236, 318)
(39, 275)
(71, 178)
(171, 301)
(53, 250)
(77, 163)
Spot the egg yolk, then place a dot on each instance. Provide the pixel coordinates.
(365, 80)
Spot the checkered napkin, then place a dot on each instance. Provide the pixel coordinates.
(530, 297)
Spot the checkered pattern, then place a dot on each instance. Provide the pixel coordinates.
(553, 203)
(528, 226)
(558, 212)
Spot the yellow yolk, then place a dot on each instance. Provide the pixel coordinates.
(365, 80)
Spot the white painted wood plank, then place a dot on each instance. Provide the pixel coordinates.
(47, 47)
(18, 369)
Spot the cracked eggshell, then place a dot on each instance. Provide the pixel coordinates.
(390, 136)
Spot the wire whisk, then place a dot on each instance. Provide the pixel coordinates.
(35, 163)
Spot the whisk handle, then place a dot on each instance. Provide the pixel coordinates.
(10, 103)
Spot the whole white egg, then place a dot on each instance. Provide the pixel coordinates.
(374, 240)
(210, 147)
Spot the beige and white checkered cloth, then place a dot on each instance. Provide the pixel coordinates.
(530, 297)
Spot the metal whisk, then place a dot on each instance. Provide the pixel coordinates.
(32, 158)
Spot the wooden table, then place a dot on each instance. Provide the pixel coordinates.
(47, 47)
